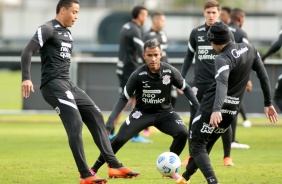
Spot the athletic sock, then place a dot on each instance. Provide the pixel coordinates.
(85, 173)
(97, 166)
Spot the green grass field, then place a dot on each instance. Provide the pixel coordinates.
(34, 149)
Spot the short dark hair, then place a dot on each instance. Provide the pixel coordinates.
(151, 44)
(156, 13)
(212, 3)
(66, 4)
(227, 9)
(236, 14)
(136, 11)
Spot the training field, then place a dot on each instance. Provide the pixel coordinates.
(34, 149)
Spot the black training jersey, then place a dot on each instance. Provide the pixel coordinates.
(152, 91)
(240, 35)
(274, 47)
(162, 38)
(130, 48)
(233, 66)
(200, 47)
(56, 47)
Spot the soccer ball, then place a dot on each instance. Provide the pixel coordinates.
(168, 163)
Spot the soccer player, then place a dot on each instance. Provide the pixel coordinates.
(225, 15)
(130, 56)
(204, 54)
(278, 88)
(55, 43)
(220, 103)
(157, 32)
(151, 83)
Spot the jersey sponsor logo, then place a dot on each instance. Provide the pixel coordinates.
(137, 114)
(207, 128)
(237, 53)
(143, 73)
(65, 50)
(166, 79)
(179, 122)
(59, 33)
(167, 71)
(69, 95)
(201, 39)
(226, 111)
(57, 25)
(202, 29)
(57, 109)
(204, 53)
(145, 82)
(219, 130)
(155, 91)
(232, 100)
(149, 97)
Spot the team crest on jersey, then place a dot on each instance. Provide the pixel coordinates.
(167, 71)
(69, 94)
(207, 128)
(136, 114)
(166, 79)
(57, 109)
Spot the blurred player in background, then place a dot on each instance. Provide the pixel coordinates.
(55, 43)
(237, 16)
(278, 88)
(130, 57)
(225, 15)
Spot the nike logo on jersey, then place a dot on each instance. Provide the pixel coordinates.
(202, 29)
(144, 82)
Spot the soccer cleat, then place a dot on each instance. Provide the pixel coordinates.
(146, 133)
(182, 180)
(93, 180)
(227, 161)
(122, 172)
(140, 139)
(247, 124)
(239, 145)
(185, 161)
